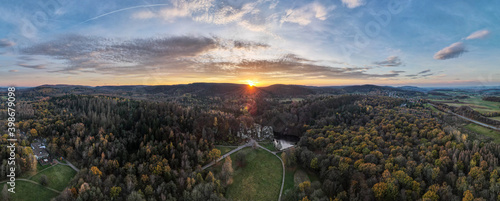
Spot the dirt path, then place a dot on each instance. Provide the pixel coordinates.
(34, 182)
(228, 153)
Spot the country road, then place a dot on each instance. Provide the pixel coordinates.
(469, 119)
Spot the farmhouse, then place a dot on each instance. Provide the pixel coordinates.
(39, 150)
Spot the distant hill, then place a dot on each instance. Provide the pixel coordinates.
(292, 90)
(219, 90)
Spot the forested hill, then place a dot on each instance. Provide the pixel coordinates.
(361, 147)
(214, 90)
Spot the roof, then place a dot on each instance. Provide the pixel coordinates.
(39, 149)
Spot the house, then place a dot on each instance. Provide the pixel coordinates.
(39, 150)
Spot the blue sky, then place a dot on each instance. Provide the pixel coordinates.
(341, 42)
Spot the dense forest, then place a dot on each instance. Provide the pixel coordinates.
(395, 153)
(363, 147)
(492, 98)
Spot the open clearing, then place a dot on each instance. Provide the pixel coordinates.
(268, 145)
(33, 173)
(495, 135)
(259, 180)
(30, 191)
(58, 176)
(475, 103)
(296, 175)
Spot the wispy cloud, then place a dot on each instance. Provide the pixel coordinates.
(214, 12)
(391, 61)
(453, 51)
(481, 34)
(6, 43)
(304, 15)
(421, 74)
(397, 71)
(38, 66)
(291, 66)
(184, 55)
(353, 3)
(425, 71)
(13, 71)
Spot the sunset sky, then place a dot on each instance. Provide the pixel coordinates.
(319, 43)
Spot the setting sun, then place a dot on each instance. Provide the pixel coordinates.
(251, 83)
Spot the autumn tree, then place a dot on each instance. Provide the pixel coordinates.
(468, 196)
(34, 132)
(214, 154)
(95, 170)
(227, 171)
(115, 192)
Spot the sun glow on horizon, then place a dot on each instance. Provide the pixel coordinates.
(251, 83)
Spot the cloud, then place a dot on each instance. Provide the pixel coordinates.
(98, 54)
(421, 74)
(481, 34)
(249, 45)
(39, 66)
(453, 51)
(353, 3)
(304, 15)
(397, 71)
(189, 56)
(144, 15)
(243, 13)
(425, 71)
(391, 61)
(179, 9)
(290, 66)
(13, 71)
(6, 43)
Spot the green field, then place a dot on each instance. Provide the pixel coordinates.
(58, 176)
(433, 109)
(29, 191)
(296, 175)
(268, 145)
(259, 180)
(495, 118)
(33, 173)
(495, 135)
(475, 103)
(289, 181)
(224, 149)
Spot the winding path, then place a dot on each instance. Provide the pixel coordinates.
(34, 182)
(248, 144)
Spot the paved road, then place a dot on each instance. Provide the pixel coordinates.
(248, 144)
(70, 165)
(469, 119)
